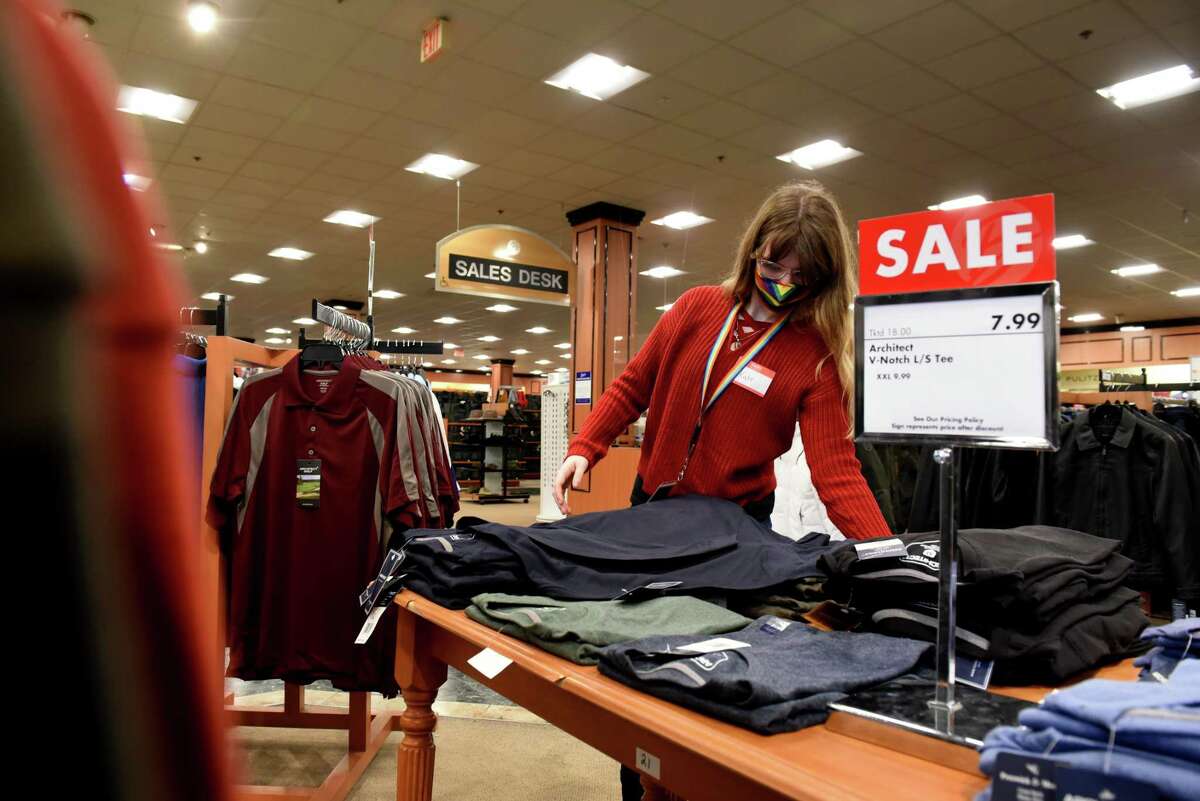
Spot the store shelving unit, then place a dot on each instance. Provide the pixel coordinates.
(487, 458)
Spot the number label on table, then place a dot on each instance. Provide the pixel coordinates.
(648, 763)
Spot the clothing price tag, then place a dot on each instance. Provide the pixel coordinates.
(755, 378)
(489, 663)
(1076, 784)
(774, 625)
(1020, 777)
(713, 645)
(878, 549)
(647, 763)
(308, 483)
(368, 627)
(973, 672)
(923, 361)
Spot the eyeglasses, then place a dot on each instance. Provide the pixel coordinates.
(777, 272)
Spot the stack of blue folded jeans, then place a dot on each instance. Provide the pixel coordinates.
(1173, 642)
(1143, 731)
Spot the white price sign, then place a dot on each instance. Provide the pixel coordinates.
(969, 366)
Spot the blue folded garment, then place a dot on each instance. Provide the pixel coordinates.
(1155, 663)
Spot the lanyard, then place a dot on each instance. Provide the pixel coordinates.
(723, 384)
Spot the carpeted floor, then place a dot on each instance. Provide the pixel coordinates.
(476, 759)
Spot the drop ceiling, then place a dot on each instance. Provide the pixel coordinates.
(307, 106)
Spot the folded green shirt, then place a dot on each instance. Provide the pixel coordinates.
(577, 630)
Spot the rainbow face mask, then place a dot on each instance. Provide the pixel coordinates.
(777, 293)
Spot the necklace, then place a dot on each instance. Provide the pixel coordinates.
(737, 343)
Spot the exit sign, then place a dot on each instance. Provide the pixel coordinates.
(433, 40)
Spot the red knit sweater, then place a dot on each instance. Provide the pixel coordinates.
(743, 433)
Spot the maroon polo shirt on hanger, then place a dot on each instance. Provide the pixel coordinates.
(295, 572)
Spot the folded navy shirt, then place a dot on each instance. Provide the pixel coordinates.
(773, 676)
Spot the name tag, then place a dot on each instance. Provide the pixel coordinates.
(755, 378)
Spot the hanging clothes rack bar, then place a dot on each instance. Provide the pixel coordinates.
(364, 333)
(218, 317)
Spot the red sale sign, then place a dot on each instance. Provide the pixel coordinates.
(1002, 242)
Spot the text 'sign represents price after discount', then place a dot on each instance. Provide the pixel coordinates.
(955, 368)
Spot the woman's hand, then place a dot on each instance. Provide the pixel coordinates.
(569, 475)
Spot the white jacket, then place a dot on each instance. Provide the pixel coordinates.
(798, 508)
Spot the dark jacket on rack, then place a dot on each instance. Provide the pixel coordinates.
(1127, 479)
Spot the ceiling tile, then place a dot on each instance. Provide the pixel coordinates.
(288, 156)
(169, 38)
(480, 82)
(662, 98)
(936, 32)
(116, 23)
(468, 23)
(241, 93)
(357, 169)
(253, 186)
(851, 66)
(616, 124)
(259, 62)
(178, 188)
(654, 44)
(624, 158)
(333, 184)
(1059, 37)
(953, 112)
(140, 69)
(1108, 65)
(985, 63)
(1185, 39)
(771, 138)
(1013, 14)
(1100, 130)
(218, 141)
(1069, 110)
(364, 89)
(791, 37)
(576, 146)
(333, 115)
(722, 70)
(194, 176)
(299, 134)
(235, 120)
(241, 200)
(523, 50)
(1019, 151)
(392, 58)
(385, 151)
(516, 129)
(904, 90)
(1067, 163)
(409, 133)
(499, 179)
(575, 22)
(289, 28)
(721, 119)
(206, 159)
(529, 163)
(671, 140)
(586, 175)
(1028, 89)
(359, 12)
(985, 134)
(864, 16)
(786, 97)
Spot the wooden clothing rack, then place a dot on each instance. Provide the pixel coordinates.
(366, 731)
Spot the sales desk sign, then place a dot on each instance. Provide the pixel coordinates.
(504, 262)
(956, 334)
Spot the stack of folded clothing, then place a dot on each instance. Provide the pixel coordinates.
(792, 600)
(1044, 603)
(577, 630)
(679, 546)
(1172, 643)
(1143, 731)
(773, 676)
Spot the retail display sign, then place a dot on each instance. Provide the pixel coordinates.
(1023, 777)
(961, 367)
(433, 40)
(504, 262)
(993, 244)
(583, 386)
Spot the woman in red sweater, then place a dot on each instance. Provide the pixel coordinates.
(773, 345)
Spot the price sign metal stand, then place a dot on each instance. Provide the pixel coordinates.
(928, 384)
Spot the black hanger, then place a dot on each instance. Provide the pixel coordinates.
(315, 353)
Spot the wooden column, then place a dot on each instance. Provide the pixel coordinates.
(604, 314)
(502, 374)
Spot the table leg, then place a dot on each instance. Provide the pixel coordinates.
(419, 676)
(653, 791)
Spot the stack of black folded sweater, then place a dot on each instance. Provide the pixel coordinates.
(691, 545)
(1042, 602)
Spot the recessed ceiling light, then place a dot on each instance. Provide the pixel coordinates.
(200, 246)
(293, 254)
(1132, 328)
(618, 339)
(278, 330)
(404, 329)
(449, 345)
(1086, 317)
(169, 246)
(448, 320)
(563, 345)
(355, 219)
(682, 220)
(160, 105)
(387, 294)
(502, 308)
(560, 369)
(564, 355)
(431, 275)
(1070, 241)
(597, 77)
(1152, 87)
(519, 352)
(959, 203)
(662, 271)
(304, 321)
(153, 232)
(449, 361)
(441, 166)
(249, 278)
(819, 154)
(1186, 292)
(427, 364)
(340, 307)
(489, 338)
(543, 361)
(458, 371)
(138, 183)
(537, 329)
(537, 372)
(202, 15)
(481, 357)
(664, 307)
(1137, 269)
(216, 296)
(275, 341)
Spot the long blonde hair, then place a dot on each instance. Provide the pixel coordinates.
(804, 217)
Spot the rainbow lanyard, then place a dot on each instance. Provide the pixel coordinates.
(719, 390)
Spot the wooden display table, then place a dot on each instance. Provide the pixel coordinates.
(695, 757)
